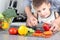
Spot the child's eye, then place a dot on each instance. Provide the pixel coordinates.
(39, 11)
(44, 8)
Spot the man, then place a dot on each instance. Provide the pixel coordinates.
(31, 20)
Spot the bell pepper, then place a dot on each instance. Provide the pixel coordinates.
(46, 27)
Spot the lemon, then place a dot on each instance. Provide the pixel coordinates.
(5, 25)
(22, 30)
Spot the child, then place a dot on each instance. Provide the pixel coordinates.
(45, 14)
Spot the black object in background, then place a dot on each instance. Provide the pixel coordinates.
(10, 3)
(15, 4)
(20, 18)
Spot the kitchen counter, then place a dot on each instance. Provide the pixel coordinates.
(18, 23)
(4, 35)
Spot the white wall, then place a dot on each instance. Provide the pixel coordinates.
(3, 5)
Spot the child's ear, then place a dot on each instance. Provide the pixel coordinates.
(49, 5)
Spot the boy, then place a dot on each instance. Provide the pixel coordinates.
(42, 9)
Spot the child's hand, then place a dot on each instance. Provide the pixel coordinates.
(31, 21)
(55, 26)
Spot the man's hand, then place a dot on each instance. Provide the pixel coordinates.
(31, 21)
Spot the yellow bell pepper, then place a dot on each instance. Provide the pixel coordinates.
(22, 30)
(5, 25)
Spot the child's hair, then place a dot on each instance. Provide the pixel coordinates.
(37, 3)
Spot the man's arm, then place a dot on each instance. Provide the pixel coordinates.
(27, 7)
(31, 20)
(28, 11)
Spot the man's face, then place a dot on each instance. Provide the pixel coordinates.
(43, 10)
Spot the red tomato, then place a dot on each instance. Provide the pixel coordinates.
(38, 31)
(0, 24)
(46, 26)
(13, 31)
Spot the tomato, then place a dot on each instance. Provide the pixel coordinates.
(38, 31)
(0, 24)
(13, 31)
(46, 27)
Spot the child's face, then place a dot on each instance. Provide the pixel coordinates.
(43, 10)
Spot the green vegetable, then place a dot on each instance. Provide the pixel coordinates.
(29, 34)
(31, 30)
(9, 13)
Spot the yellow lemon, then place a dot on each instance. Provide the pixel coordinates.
(5, 25)
(22, 30)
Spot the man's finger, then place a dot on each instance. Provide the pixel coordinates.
(35, 23)
(28, 24)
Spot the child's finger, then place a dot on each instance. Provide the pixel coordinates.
(52, 28)
(55, 29)
(58, 29)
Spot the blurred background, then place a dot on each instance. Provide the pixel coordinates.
(14, 4)
(4, 4)
(19, 8)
